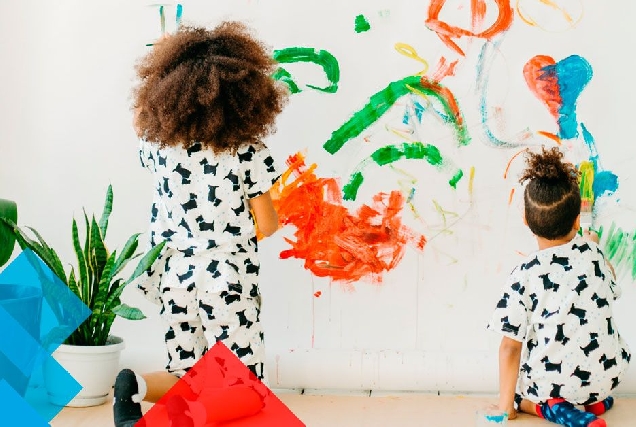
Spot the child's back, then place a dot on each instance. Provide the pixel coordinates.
(559, 301)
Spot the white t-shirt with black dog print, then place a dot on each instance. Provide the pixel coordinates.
(201, 209)
(559, 302)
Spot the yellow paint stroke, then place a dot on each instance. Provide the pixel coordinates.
(408, 185)
(550, 3)
(443, 213)
(471, 178)
(510, 162)
(410, 52)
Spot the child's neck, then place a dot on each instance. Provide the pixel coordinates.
(546, 244)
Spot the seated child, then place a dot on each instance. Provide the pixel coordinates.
(559, 303)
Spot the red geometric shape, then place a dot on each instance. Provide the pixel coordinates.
(544, 83)
(220, 391)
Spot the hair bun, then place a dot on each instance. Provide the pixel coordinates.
(549, 166)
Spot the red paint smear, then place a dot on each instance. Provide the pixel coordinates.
(444, 69)
(448, 32)
(317, 294)
(445, 93)
(544, 86)
(334, 242)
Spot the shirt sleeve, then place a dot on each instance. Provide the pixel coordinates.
(259, 171)
(511, 315)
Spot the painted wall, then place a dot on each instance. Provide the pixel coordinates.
(403, 303)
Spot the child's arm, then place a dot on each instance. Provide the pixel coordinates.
(509, 360)
(264, 214)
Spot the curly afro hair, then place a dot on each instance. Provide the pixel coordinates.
(208, 86)
(552, 196)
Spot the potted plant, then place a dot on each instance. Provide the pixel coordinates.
(91, 354)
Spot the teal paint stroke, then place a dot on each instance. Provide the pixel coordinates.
(326, 60)
(393, 153)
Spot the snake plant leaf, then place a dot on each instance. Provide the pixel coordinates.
(128, 312)
(108, 208)
(8, 210)
(58, 268)
(45, 255)
(146, 262)
(81, 265)
(127, 253)
(101, 293)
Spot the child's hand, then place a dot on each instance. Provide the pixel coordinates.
(512, 413)
(591, 236)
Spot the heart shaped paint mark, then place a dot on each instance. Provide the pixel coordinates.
(558, 85)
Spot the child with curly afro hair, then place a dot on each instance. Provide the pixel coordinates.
(559, 302)
(205, 101)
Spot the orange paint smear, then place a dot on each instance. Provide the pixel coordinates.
(512, 194)
(447, 32)
(443, 69)
(334, 242)
(550, 135)
(510, 162)
(478, 8)
(317, 294)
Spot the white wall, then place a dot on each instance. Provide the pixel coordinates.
(65, 135)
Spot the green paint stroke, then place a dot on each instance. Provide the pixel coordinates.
(362, 24)
(392, 153)
(620, 248)
(326, 60)
(350, 191)
(382, 101)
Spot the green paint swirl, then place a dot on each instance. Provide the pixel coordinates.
(326, 60)
(382, 101)
(393, 153)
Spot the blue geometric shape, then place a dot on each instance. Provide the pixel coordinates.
(15, 411)
(62, 311)
(38, 312)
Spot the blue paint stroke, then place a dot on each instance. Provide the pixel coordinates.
(572, 75)
(179, 14)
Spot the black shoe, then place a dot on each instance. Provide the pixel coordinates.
(126, 412)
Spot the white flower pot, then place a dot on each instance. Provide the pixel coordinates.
(93, 367)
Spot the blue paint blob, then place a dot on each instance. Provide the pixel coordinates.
(605, 182)
(572, 75)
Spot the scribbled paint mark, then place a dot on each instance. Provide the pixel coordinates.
(362, 24)
(317, 294)
(620, 248)
(571, 12)
(393, 153)
(326, 60)
(382, 101)
(333, 242)
(162, 18)
(410, 52)
(558, 85)
(485, 61)
(447, 32)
